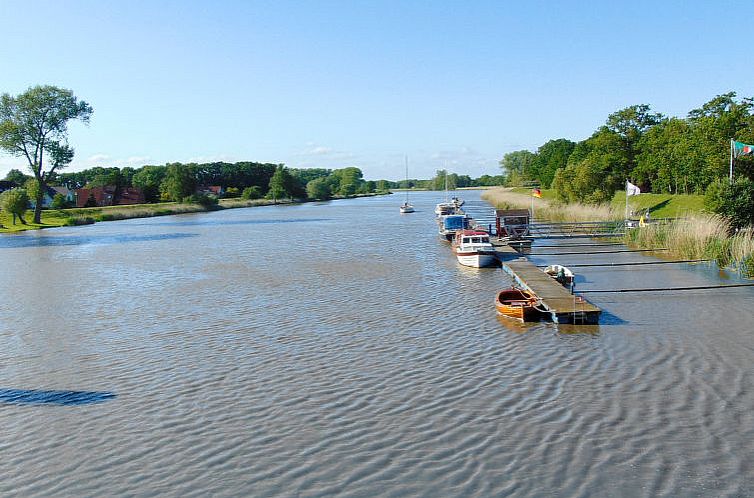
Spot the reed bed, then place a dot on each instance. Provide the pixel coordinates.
(554, 211)
(699, 236)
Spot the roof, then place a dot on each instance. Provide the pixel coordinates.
(504, 213)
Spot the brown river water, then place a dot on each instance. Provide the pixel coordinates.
(338, 349)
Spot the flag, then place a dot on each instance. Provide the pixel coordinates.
(742, 149)
(536, 193)
(632, 189)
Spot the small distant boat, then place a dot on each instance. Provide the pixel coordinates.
(406, 207)
(473, 248)
(561, 274)
(517, 303)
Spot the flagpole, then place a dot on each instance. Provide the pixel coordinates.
(626, 200)
(730, 175)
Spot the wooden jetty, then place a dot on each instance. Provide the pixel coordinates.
(556, 300)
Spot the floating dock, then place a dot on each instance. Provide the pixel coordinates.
(559, 303)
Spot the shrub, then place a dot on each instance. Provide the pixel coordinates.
(60, 202)
(251, 193)
(232, 192)
(201, 199)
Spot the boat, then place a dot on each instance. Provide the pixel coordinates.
(473, 248)
(452, 224)
(406, 207)
(517, 303)
(445, 209)
(562, 274)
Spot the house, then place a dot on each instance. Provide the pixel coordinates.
(102, 196)
(66, 192)
(47, 198)
(129, 195)
(109, 195)
(215, 190)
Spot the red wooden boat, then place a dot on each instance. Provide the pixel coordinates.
(517, 303)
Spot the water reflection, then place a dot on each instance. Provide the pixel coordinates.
(63, 398)
(37, 240)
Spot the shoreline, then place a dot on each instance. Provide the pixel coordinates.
(56, 218)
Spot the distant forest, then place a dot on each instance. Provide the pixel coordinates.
(660, 154)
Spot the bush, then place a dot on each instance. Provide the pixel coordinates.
(15, 201)
(232, 192)
(60, 202)
(251, 193)
(735, 202)
(202, 199)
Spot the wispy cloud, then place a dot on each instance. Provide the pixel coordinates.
(98, 158)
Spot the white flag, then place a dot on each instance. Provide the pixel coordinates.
(632, 189)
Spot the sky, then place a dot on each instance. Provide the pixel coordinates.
(331, 84)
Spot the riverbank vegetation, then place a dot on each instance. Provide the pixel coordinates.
(681, 165)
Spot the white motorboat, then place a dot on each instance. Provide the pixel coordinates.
(473, 248)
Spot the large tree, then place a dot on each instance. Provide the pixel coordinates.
(34, 125)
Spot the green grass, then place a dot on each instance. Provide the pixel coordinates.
(660, 205)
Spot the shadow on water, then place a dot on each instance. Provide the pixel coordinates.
(211, 222)
(61, 398)
(18, 241)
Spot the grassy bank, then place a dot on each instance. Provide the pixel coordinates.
(692, 234)
(86, 216)
(548, 208)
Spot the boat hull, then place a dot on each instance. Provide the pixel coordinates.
(477, 259)
(516, 303)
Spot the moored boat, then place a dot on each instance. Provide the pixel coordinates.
(562, 274)
(445, 209)
(517, 303)
(407, 208)
(473, 248)
(452, 224)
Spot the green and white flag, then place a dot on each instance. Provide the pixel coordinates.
(742, 149)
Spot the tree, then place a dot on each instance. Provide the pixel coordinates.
(16, 176)
(318, 189)
(179, 182)
(517, 166)
(734, 201)
(35, 123)
(148, 179)
(15, 201)
(552, 155)
(278, 183)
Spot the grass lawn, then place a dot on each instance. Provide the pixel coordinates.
(660, 205)
(49, 219)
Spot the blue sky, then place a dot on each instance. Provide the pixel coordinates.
(355, 83)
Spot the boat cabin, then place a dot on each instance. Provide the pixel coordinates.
(512, 223)
(466, 237)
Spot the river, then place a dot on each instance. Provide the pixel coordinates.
(338, 349)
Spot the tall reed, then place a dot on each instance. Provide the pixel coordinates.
(699, 236)
(550, 210)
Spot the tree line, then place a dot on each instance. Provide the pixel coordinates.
(661, 154)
